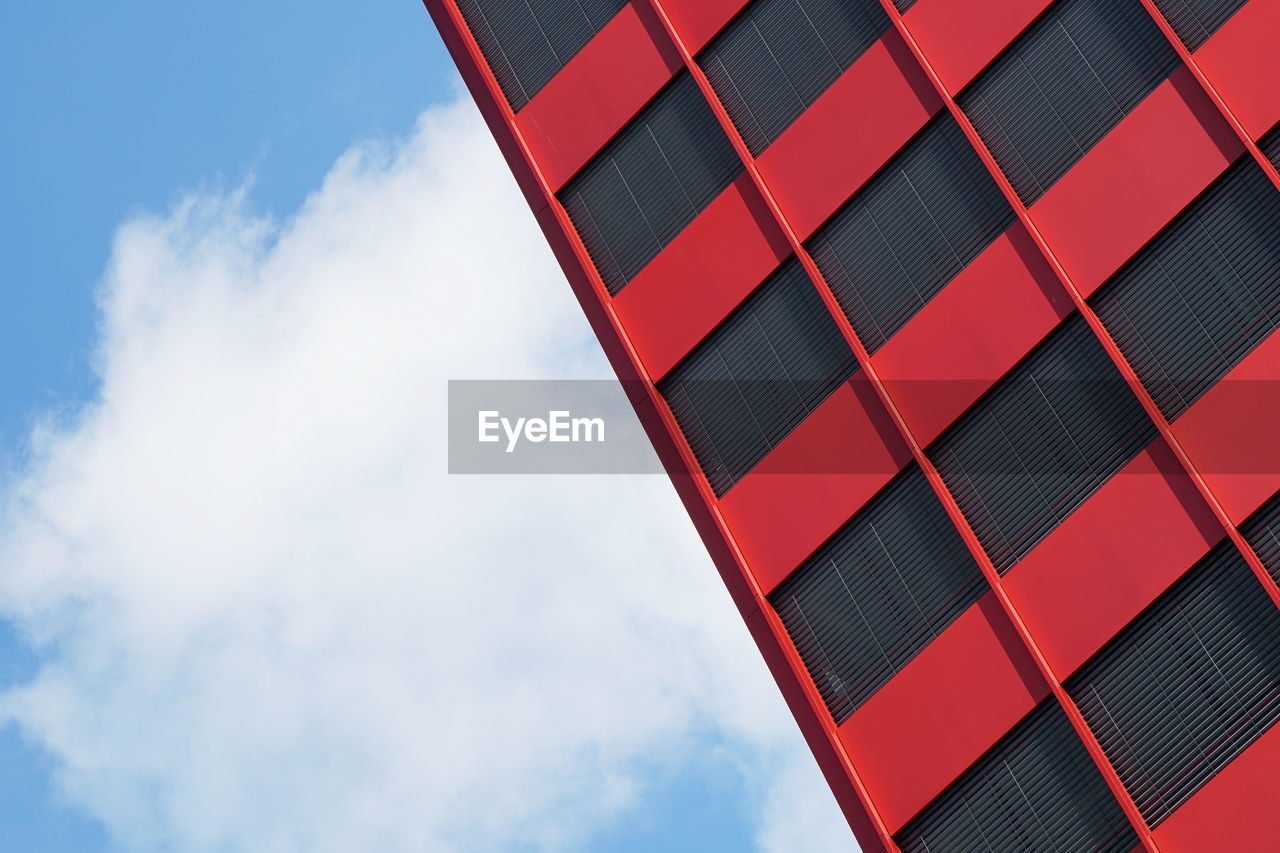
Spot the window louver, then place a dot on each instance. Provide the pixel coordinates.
(1188, 686)
(1262, 532)
(903, 5)
(1195, 20)
(650, 182)
(1041, 442)
(1270, 146)
(778, 56)
(1064, 85)
(916, 225)
(1035, 791)
(757, 376)
(527, 41)
(877, 593)
(1203, 294)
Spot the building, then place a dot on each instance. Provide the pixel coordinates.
(954, 322)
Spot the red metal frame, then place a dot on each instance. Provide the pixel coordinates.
(749, 584)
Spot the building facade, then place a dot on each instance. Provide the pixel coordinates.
(954, 323)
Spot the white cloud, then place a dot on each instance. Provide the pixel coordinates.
(266, 618)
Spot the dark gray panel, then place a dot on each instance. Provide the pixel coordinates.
(1262, 531)
(904, 5)
(527, 41)
(1064, 85)
(1041, 442)
(1204, 293)
(1270, 146)
(1188, 686)
(650, 182)
(1195, 20)
(879, 591)
(774, 60)
(1037, 791)
(757, 376)
(917, 224)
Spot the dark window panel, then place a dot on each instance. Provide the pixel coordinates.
(1203, 294)
(1188, 686)
(527, 41)
(1195, 20)
(757, 376)
(903, 5)
(1048, 436)
(1064, 85)
(650, 182)
(1270, 146)
(877, 593)
(1036, 790)
(910, 231)
(774, 60)
(1262, 531)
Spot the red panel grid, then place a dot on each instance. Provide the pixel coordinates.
(1115, 554)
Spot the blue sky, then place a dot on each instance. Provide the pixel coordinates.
(117, 112)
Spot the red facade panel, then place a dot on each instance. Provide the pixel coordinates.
(942, 711)
(695, 283)
(813, 482)
(1104, 565)
(698, 21)
(1239, 61)
(961, 37)
(1236, 811)
(969, 335)
(1136, 181)
(831, 150)
(597, 93)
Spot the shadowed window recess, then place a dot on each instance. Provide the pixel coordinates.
(1036, 790)
(526, 42)
(1203, 294)
(757, 376)
(1195, 20)
(1048, 436)
(1062, 86)
(878, 592)
(779, 56)
(1188, 686)
(910, 231)
(650, 182)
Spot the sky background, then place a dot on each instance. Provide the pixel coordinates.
(241, 605)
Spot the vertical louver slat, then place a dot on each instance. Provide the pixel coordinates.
(1202, 295)
(527, 41)
(650, 182)
(1049, 435)
(778, 56)
(910, 231)
(1064, 85)
(903, 5)
(752, 381)
(1195, 20)
(1262, 532)
(1034, 792)
(879, 591)
(1188, 686)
